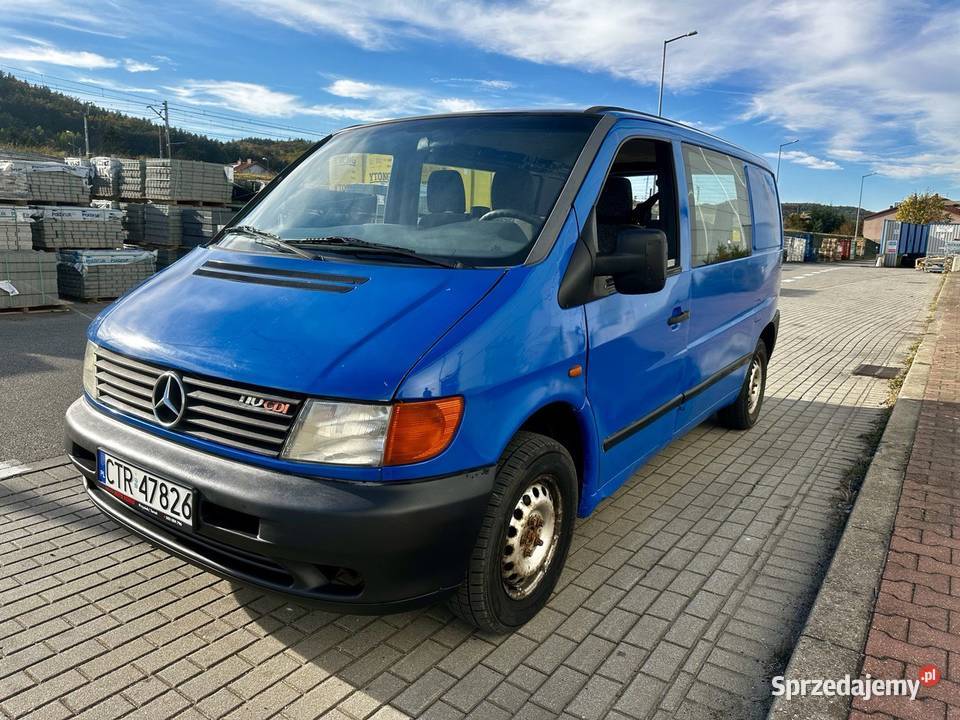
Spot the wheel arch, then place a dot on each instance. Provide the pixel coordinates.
(572, 428)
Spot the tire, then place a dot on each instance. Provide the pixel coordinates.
(538, 473)
(743, 413)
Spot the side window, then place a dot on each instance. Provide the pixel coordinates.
(721, 225)
(640, 191)
(767, 231)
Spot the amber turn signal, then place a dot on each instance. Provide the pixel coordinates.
(421, 430)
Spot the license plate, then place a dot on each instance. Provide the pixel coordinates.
(138, 488)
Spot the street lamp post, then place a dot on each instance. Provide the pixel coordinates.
(856, 225)
(663, 67)
(779, 151)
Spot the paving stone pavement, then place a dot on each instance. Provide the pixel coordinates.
(916, 619)
(681, 596)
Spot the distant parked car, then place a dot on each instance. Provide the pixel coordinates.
(405, 368)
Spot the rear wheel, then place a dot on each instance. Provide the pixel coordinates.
(744, 412)
(524, 537)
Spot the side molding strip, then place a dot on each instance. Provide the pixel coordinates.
(638, 425)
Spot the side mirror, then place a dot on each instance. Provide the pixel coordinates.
(639, 265)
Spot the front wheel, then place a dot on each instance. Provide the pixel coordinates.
(524, 537)
(744, 412)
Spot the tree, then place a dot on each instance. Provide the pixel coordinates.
(824, 219)
(922, 209)
(796, 221)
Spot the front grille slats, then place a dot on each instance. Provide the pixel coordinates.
(125, 397)
(232, 430)
(109, 378)
(214, 410)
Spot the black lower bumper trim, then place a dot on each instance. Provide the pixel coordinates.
(344, 546)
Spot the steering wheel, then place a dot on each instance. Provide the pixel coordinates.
(511, 214)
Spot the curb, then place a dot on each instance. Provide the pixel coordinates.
(835, 633)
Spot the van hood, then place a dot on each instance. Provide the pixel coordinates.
(334, 329)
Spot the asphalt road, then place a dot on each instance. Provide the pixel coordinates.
(41, 358)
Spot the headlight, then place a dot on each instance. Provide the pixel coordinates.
(373, 435)
(339, 433)
(90, 370)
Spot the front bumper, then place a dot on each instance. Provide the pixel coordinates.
(345, 546)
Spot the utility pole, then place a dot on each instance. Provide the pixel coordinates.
(86, 137)
(166, 122)
(663, 67)
(160, 142)
(856, 224)
(164, 115)
(780, 150)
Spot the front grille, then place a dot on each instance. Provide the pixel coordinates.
(214, 410)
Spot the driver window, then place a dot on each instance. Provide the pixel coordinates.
(640, 191)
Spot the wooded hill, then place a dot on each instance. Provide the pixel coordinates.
(35, 118)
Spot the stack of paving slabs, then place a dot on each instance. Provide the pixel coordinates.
(16, 228)
(132, 173)
(28, 278)
(57, 228)
(13, 182)
(46, 182)
(201, 224)
(133, 221)
(162, 225)
(796, 248)
(105, 180)
(829, 250)
(102, 274)
(188, 181)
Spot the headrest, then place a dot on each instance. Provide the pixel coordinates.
(445, 192)
(513, 189)
(615, 205)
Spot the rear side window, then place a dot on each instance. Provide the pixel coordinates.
(721, 224)
(766, 210)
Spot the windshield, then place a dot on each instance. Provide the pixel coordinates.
(474, 190)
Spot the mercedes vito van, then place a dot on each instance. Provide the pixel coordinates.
(428, 346)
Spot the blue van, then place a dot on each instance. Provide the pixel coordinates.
(429, 346)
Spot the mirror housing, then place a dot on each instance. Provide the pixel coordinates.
(639, 265)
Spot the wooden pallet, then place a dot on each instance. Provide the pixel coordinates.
(19, 202)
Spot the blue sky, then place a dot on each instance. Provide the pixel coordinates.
(866, 86)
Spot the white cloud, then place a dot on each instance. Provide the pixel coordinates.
(799, 157)
(37, 51)
(136, 66)
(369, 102)
(874, 77)
(353, 89)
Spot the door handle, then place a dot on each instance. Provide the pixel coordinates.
(678, 318)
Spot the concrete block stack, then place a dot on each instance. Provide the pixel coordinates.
(168, 256)
(132, 174)
(102, 274)
(27, 279)
(57, 228)
(133, 221)
(188, 181)
(796, 248)
(162, 225)
(16, 228)
(201, 224)
(44, 182)
(105, 179)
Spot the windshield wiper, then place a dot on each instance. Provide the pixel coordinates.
(352, 242)
(272, 241)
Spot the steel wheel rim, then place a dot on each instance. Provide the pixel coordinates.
(754, 385)
(531, 537)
